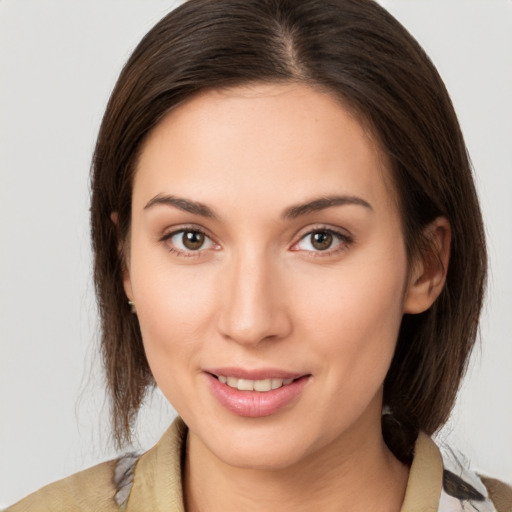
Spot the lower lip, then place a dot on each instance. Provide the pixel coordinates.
(255, 404)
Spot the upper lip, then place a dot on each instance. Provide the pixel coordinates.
(256, 374)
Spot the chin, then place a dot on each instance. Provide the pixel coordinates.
(259, 445)
(258, 457)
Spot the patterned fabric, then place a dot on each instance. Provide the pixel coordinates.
(463, 490)
(123, 478)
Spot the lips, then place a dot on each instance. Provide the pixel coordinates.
(255, 393)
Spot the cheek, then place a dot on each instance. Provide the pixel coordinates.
(174, 308)
(351, 325)
(355, 316)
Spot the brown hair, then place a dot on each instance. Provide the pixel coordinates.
(361, 54)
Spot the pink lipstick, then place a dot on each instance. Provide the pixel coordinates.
(255, 393)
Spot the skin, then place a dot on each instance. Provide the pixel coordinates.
(259, 294)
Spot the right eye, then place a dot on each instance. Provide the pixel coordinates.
(188, 241)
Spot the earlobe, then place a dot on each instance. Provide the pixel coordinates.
(428, 274)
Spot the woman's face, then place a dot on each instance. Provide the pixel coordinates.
(266, 251)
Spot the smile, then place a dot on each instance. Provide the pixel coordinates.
(261, 385)
(256, 393)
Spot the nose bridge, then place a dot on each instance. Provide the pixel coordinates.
(253, 309)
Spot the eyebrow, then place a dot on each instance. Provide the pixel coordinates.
(323, 203)
(183, 204)
(292, 212)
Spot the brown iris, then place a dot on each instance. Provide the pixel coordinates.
(321, 240)
(193, 240)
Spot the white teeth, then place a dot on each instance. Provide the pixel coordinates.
(245, 385)
(263, 385)
(254, 385)
(277, 383)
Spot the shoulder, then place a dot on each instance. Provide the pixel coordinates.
(89, 490)
(132, 482)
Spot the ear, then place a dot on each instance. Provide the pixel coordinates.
(429, 270)
(127, 284)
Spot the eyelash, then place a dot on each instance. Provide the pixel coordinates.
(344, 241)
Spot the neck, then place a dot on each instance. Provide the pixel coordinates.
(348, 474)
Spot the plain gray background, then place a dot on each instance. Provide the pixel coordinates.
(58, 63)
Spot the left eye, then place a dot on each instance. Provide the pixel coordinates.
(320, 240)
(189, 240)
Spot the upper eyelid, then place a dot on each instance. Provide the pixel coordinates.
(327, 230)
(301, 233)
(170, 232)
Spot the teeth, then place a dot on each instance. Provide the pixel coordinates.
(254, 385)
(245, 385)
(277, 383)
(263, 385)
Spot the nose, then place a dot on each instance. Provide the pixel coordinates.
(254, 307)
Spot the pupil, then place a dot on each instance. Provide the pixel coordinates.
(322, 240)
(193, 240)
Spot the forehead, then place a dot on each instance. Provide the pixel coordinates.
(251, 141)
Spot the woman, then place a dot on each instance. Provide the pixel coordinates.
(288, 243)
